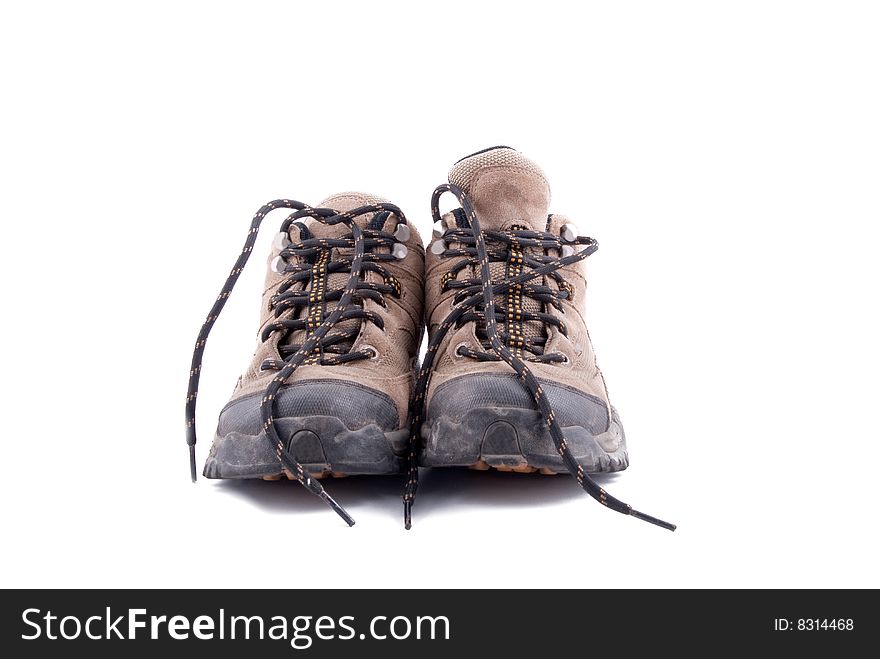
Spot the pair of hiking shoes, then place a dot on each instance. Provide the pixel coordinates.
(509, 379)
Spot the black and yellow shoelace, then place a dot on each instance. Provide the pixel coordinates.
(485, 299)
(319, 339)
(320, 344)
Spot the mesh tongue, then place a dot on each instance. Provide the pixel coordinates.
(343, 201)
(508, 191)
(505, 187)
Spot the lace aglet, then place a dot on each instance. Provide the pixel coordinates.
(407, 515)
(652, 520)
(339, 510)
(192, 463)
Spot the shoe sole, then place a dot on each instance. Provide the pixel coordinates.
(323, 445)
(517, 440)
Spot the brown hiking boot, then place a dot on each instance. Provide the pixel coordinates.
(328, 389)
(510, 380)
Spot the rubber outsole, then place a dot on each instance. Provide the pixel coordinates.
(514, 439)
(322, 444)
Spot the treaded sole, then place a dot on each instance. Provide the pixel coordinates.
(322, 444)
(517, 440)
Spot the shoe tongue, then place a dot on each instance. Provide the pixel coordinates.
(343, 201)
(505, 187)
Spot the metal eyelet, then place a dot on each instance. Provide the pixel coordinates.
(438, 246)
(567, 250)
(457, 353)
(402, 233)
(281, 241)
(569, 232)
(399, 251)
(368, 348)
(565, 359)
(278, 265)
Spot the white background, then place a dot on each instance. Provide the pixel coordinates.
(725, 155)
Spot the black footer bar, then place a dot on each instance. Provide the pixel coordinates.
(319, 623)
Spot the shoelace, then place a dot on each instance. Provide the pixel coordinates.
(486, 298)
(516, 251)
(319, 340)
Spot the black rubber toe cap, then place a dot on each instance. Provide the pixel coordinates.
(352, 403)
(455, 398)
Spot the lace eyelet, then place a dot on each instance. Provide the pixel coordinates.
(368, 348)
(459, 354)
(278, 265)
(281, 241)
(565, 360)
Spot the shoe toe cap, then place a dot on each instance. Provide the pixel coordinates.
(355, 405)
(455, 398)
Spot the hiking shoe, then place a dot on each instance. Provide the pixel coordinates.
(328, 388)
(510, 379)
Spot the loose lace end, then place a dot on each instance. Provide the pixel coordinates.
(339, 510)
(652, 520)
(192, 463)
(407, 515)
